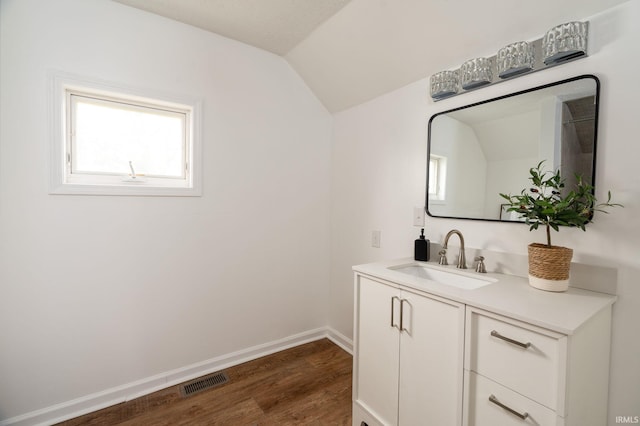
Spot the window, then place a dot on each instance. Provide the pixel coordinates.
(113, 141)
(437, 177)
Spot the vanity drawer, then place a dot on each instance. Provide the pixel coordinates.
(490, 403)
(519, 356)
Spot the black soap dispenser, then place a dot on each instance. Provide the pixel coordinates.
(421, 251)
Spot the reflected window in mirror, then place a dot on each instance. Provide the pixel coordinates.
(437, 177)
(490, 146)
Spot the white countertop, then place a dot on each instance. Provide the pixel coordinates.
(509, 295)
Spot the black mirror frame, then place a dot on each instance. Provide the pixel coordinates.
(595, 137)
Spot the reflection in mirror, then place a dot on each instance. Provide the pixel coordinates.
(478, 151)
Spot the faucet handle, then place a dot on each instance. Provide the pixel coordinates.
(443, 257)
(480, 266)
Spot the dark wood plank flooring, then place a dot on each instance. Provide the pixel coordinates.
(306, 385)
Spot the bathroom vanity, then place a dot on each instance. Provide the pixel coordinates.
(437, 345)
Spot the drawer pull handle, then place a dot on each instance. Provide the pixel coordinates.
(513, 342)
(509, 409)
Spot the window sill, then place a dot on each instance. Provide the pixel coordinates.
(125, 189)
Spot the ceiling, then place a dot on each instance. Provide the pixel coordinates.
(351, 51)
(273, 25)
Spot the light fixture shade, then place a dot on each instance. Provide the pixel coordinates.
(564, 42)
(444, 83)
(515, 59)
(475, 73)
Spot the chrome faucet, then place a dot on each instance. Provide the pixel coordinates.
(462, 264)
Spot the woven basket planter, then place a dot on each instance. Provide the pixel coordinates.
(549, 267)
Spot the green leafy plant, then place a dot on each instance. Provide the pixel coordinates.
(543, 203)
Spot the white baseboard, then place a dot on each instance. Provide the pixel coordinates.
(99, 400)
(340, 339)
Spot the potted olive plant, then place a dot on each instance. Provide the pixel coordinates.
(546, 204)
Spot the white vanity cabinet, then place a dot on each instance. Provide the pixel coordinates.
(408, 356)
(426, 353)
(517, 373)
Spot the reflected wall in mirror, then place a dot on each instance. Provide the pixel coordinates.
(481, 150)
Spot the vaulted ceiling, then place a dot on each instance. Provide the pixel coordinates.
(351, 51)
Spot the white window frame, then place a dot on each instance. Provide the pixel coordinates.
(63, 181)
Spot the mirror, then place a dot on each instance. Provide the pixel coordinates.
(481, 150)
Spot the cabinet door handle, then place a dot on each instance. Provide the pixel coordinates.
(513, 342)
(393, 305)
(507, 408)
(402, 302)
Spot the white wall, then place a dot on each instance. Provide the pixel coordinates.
(100, 291)
(379, 160)
(506, 177)
(512, 145)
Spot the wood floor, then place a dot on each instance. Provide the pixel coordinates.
(306, 385)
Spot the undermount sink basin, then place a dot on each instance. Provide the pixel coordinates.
(455, 279)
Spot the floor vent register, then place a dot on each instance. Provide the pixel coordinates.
(203, 383)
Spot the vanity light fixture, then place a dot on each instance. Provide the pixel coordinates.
(515, 59)
(444, 84)
(561, 44)
(565, 42)
(476, 72)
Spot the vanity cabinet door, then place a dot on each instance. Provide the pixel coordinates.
(408, 357)
(377, 349)
(431, 361)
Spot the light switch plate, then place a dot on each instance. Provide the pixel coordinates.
(418, 217)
